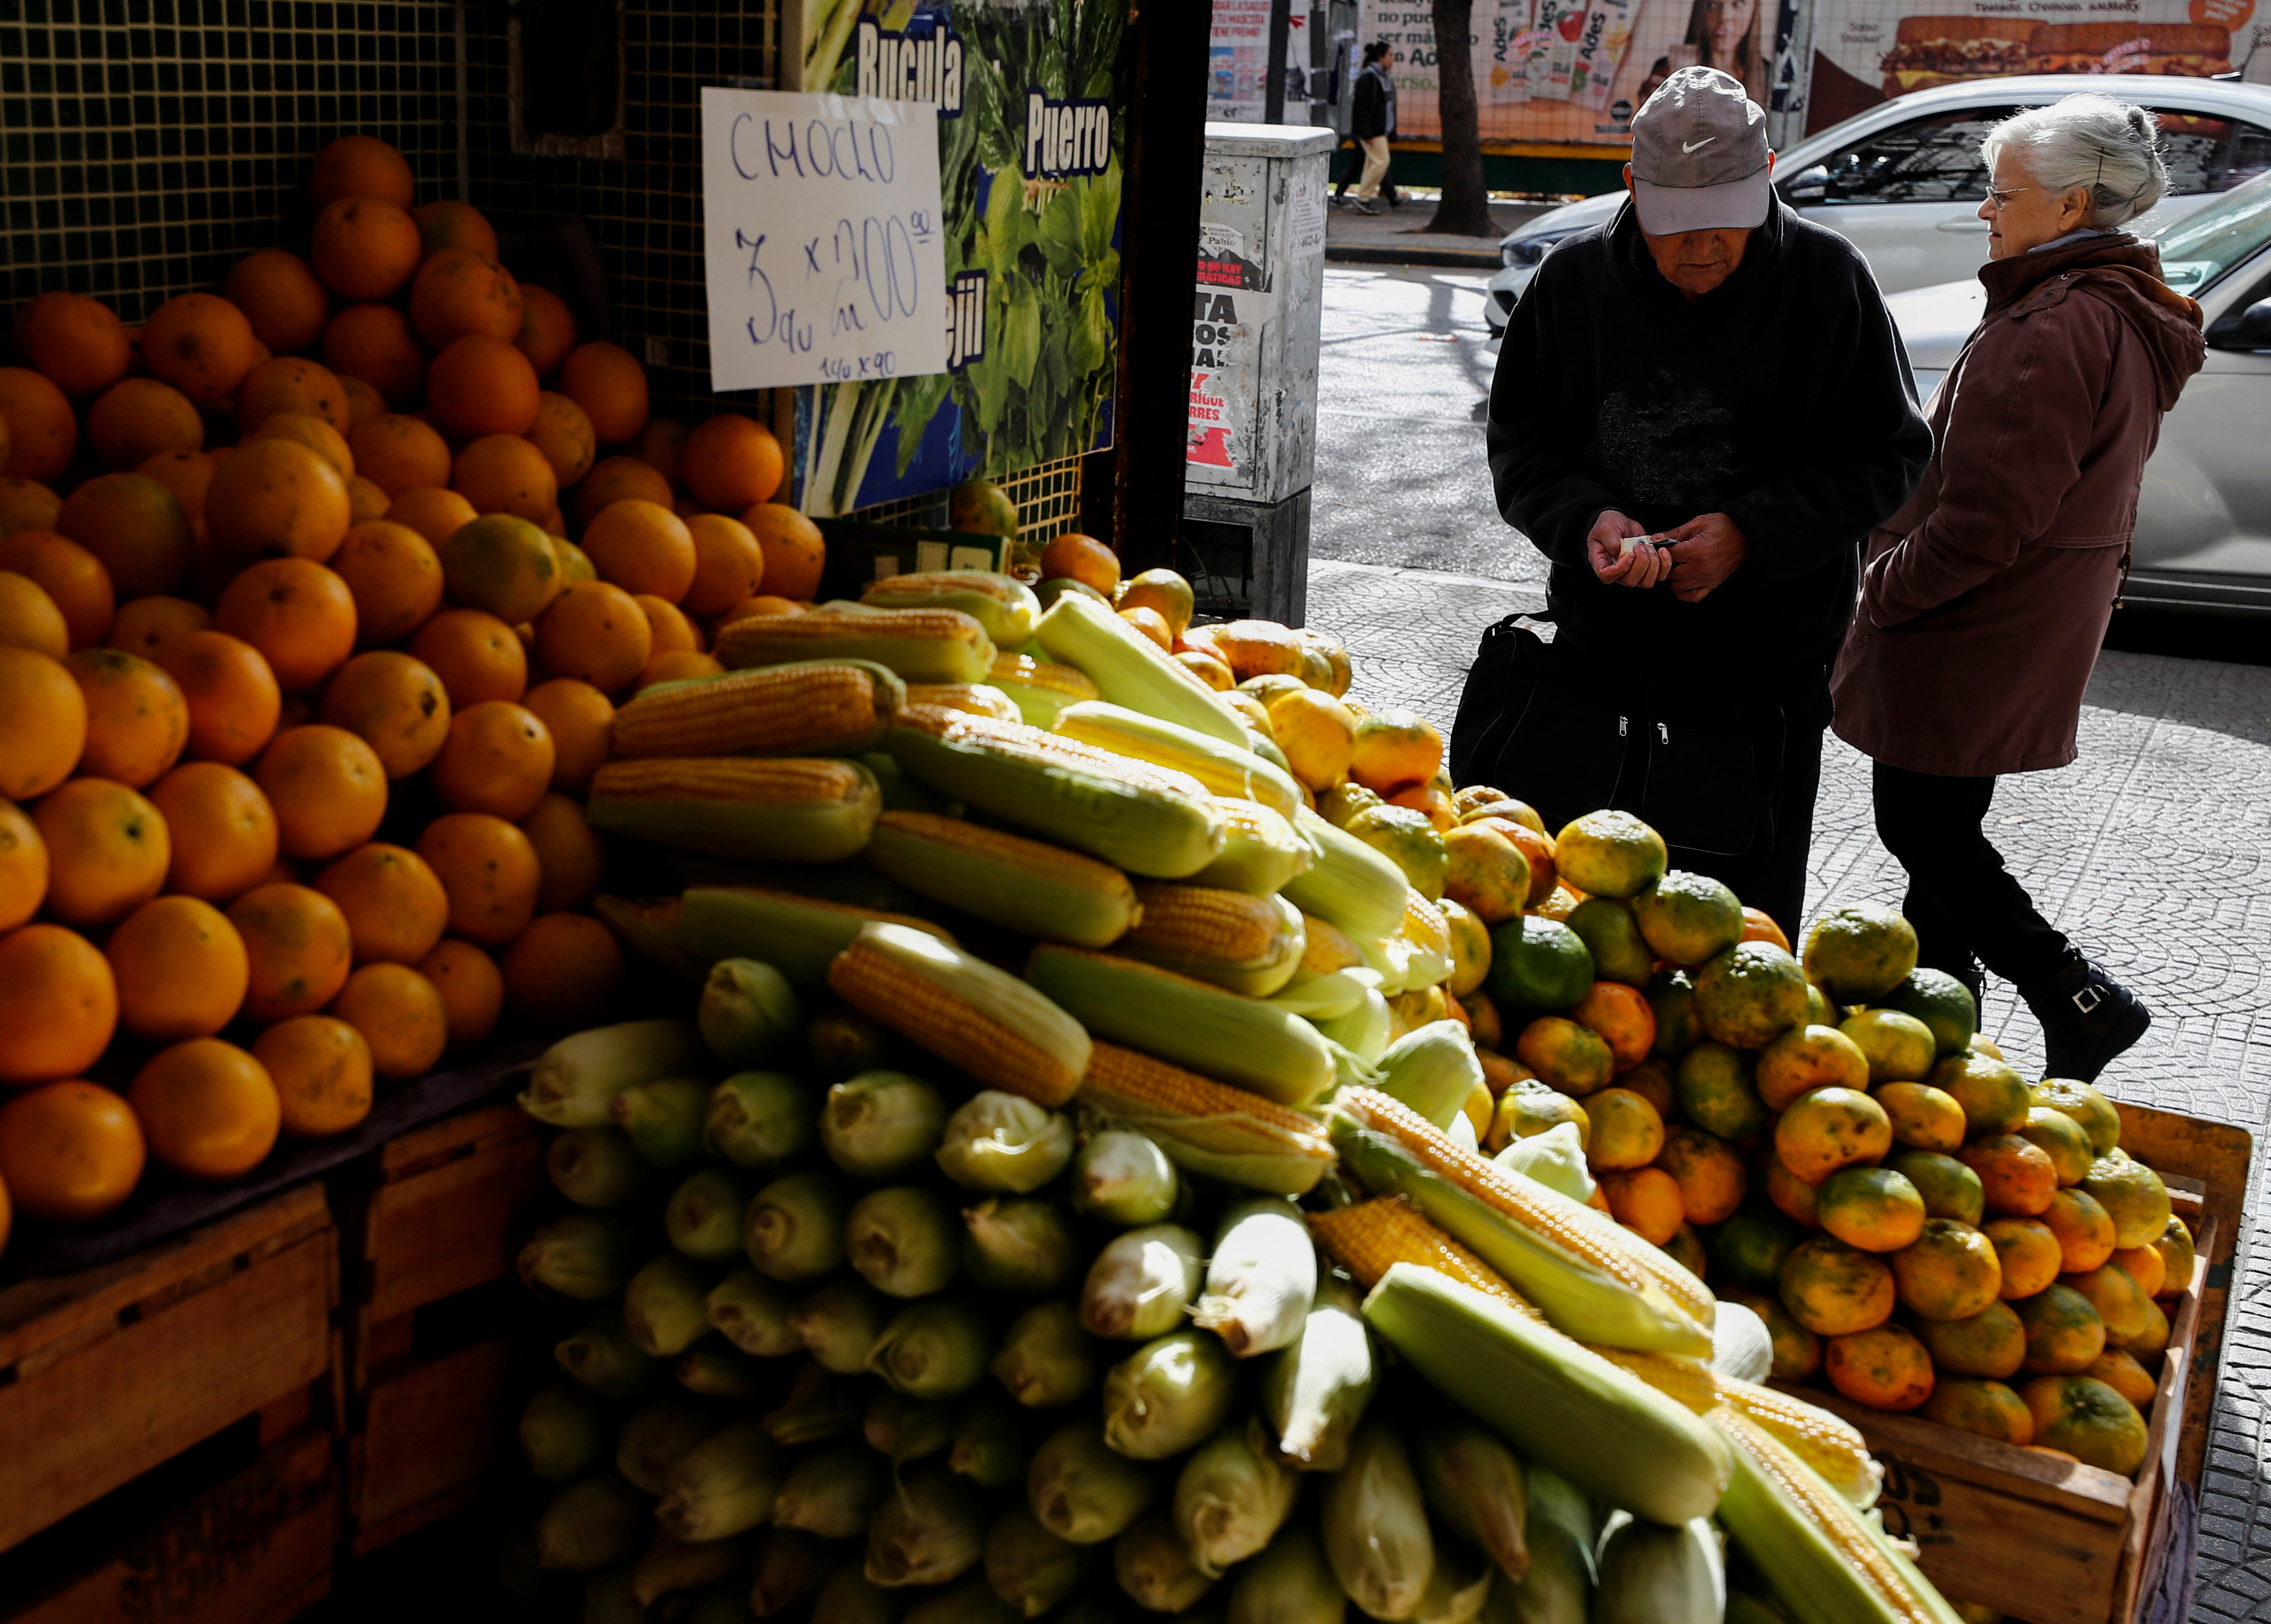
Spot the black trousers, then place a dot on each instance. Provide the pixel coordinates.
(1967, 907)
(1774, 881)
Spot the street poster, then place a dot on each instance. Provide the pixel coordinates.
(1237, 61)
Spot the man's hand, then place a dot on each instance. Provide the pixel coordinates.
(1643, 566)
(1704, 552)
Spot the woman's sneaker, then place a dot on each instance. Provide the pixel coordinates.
(2087, 1019)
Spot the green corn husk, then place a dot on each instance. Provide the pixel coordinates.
(844, 1043)
(761, 1118)
(595, 1167)
(903, 1240)
(562, 1432)
(672, 1564)
(788, 1570)
(748, 1012)
(1232, 1496)
(1029, 1568)
(1316, 1390)
(834, 1494)
(902, 1429)
(663, 1119)
(930, 1532)
(997, 1141)
(656, 1437)
(664, 1305)
(724, 1484)
(1123, 1177)
(848, 1598)
(582, 1256)
(1458, 1587)
(1654, 1574)
(1432, 1070)
(971, 1602)
(934, 1348)
(753, 1314)
(1290, 1582)
(1261, 853)
(1168, 1395)
(602, 1360)
(1045, 1359)
(608, 1598)
(794, 1229)
(1154, 1569)
(721, 1373)
(1023, 1246)
(704, 1215)
(1132, 671)
(1375, 1526)
(820, 1404)
(573, 1082)
(992, 1445)
(1083, 1490)
(1474, 1485)
(882, 1124)
(839, 1322)
(725, 1602)
(1363, 1031)
(1261, 1279)
(1142, 1282)
(591, 1523)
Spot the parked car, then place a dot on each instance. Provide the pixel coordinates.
(2204, 516)
(1903, 180)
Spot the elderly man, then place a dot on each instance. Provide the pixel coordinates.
(1699, 411)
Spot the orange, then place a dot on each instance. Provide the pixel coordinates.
(2064, 1330)
(611, 387)
(137, 418)
(597, 633)
(58, 1004)
(1873, 1208)
(1652, 1080)
(434, 514)
(1835, 1290)
(75, 341)
(364, 246)
(276, 498)
(1806, 1058)
(321, 1067)
(2028, 1252)
(497, 759)
(501, 564)
(642, 546)
(363, 402)
(1885, 1368)
(460, 292)
(365, 501)
(731, 462)
(69, 575)
(201, 344)
(2145, 1265)
(676, 665)
(1621, 1016)
(281, 298)
(2087, 1420)
(135, 526)
(43, 433)
(489, 870)
(25, 504)
(107, 851)
(1992, 1343)
(1793, 1196)
(373, 343)
(505, 474)
(562, 970)
(393, 578)
(569, 855)
(29, 618)
(1646, 1200)
(222, 830)
(2084, 1231)
(136, 720)
(1708, 1172)
(181, 969)
(447, 223)
(476, 656)
(472, 989)
(233, 696)
(728, 564)
(1924, 1118)
(23, 867)
(69, 1152)
(1394, 748)
(399, 453)
(2018, 1178)
(793, 548)
(1072, 556)
(765, 603)
(579, 717)
(564, 433)
(394, 704)
(307, 429)
(292, 384)
(1988, 1408)
(328, 788)
(547, 328)
(1627, 1130)
(1567, 1056)
(43, 722)
(297, 942)
(619, 478)
(1949, 1272)
(482, 385)
(2119, 1370)
(670, 631)
(360, 165)
(662, 445)
(187, 474)
(399, 1015)
(394, 905)
(208, 1109)
(299, 615)
(2123, 1305)
(1829, 1129)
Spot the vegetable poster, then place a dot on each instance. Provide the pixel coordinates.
(1032, 99)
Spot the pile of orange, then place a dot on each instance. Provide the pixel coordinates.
(302, 672)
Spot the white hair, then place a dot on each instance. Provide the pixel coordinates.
(2109, 149)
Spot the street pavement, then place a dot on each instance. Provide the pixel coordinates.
(2153, 849)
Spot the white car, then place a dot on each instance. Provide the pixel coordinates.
(2204, 516)
(1903, 180)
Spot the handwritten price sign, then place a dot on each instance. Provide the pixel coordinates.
(825, 253)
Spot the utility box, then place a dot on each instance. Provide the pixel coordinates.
(1256, 322)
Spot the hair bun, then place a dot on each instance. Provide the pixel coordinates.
(2147, 127)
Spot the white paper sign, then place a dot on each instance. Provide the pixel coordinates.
(823, 232)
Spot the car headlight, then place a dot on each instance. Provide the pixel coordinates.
(1529, 250)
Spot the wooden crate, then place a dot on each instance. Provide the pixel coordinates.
(106, 1374)
(440, 1216)
(2051, 1542)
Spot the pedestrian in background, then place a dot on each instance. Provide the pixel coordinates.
(1372, 120)
(1985, 599)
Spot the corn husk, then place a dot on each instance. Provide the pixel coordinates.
(993, 1444)
(1029, 1568)
(672, 1564)
(834, 1494)
(1142, 1282)
(721, 1373)
(725, 1602)
(820, 1404)
(1026, 1248)
(1168, 1395)
(971, 1602)
(753, 1314)
(1290, 1582)
(1458, 1587)
(1154, 1569)
(747, 1013)
(608, 1598)
(902, 1429)
(904, 1240)
(1123, 1177)
(1558, 1587)
(1365, 1028)
(663, 1119)
(724, 1484)
(788, 1570)
(1231, 1497)
(704, 1215)
(1082, 1489)
(582, 1256)
(997, 1141)
(1555, 1158)
(934, 1348)
(562, 1432)
(1261, 1279)
(592, 1522)
(1047, 1358)
(839, 1322)
(574, 1082)
(882, 1124)
(1315, 1391)
(602, 1360)
(759, 1120)
(848, 1598)
(794, 1229)
(1261, 851)
(928, 1531)
(1432, 1070)
(1654, 1574)
(1474, 1485)
(665, 1308)
(595, 1167)
(1375, 1526)
(655, 1437)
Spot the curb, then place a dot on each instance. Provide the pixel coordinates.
(1366, 254)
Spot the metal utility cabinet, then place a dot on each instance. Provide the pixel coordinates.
(1255, 321)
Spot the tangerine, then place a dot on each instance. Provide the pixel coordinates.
(596, 634)
(299, 616)
(29, 618)
(505, 474)
(1949, 1272)
(288, 384)
(611, 387)
(1924, 1118)
(1885, 1368)
(72, 577)
(547, 328)
(1900, 1048)
(137, 528)
(448, 223)
(283, 302)
(2061, 1138)
(364, 246)
(360, 165)
(1569, 1057)
(41, 431)
(731, 462)
(58, 1004)
(222, 830)
(321, 1067)
(462, 292)
(1806, 1058)
(502, 565)
(1836, 1290)
(137, 418)
(434, 513)
(1873, 1208)
(233, 696)
(398, 453)
(1989, 1409)
(1621, 1016)
(2018, 1178)
(1990, 1345)
(23, 867)
(75, 341)
(276, 498)
(2030, 1254)
(569, 855)
(69, 1152)
(327, 787)
(373, 343)
(1829, 1129)
(136, 720)
(497, 759)
(208, 1108)
(580, 718)
(1627, 1132)
(565, 437)
(297, 942)
(477, 656)
(394, 704)
(642, 546)
(1646, 1200)
(562, 970)
(201, 344)
(1949, 1188)
(472, 989)
(393, 904)
(107, 851)
(2087, 1420)
(401, 1016)
(619, 478)
(1710, 1177)
(181, 969)
(1859, 953)
(394, 579)
(482, 385)
(489, 870)
(2064, 1331)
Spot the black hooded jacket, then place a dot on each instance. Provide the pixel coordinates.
(1782, 399)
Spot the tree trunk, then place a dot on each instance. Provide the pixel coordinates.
(1466, 209)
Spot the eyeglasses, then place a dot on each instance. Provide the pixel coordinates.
(1999, 197)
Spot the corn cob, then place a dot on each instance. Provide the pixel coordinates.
(1355, 886)
(816, 708)
(1226, 770)
(1131, 670)
(1822, 1441)
(922, 645)
(1426, 937)
(1236, 1040)
(962, 1009)
(1369, 1237)
(1250, 945)
(1326, 947)
(1040, 687)
(1003, 604)
(794, 809)
(1259, 851)
(1133, 817)
(1827, 1565)
(970, 698)
(1207, 1127)
(1024, 885)
(799, 937)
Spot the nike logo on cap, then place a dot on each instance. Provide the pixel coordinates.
(1689, 146)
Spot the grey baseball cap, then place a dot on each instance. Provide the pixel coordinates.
(1699, 156)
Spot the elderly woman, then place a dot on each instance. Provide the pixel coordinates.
(1985, 599)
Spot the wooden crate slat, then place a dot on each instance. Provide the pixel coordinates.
(454, 1219)
(431, 1430)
